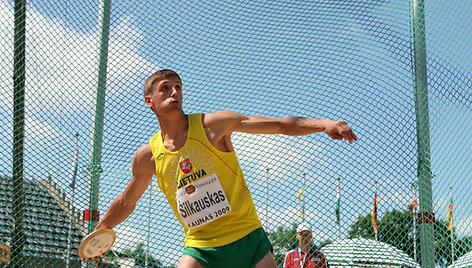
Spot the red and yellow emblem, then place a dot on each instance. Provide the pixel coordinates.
(186, 166)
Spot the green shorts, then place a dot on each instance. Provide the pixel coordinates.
(243, 253)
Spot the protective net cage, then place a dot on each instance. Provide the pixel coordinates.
(399, 72)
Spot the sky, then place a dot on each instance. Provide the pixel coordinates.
(336, 59)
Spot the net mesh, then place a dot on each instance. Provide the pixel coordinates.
(399, 72)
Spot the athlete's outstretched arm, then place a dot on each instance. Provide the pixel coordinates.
(226, 122)
(123, 205)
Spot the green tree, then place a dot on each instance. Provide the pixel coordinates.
(362, 227)
(443, 244)
(283, 240)
(140, 255)
(396, 229)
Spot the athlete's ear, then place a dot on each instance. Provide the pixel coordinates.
(148, 100)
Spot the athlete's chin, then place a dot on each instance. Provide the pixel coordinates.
(170, 110)
(174, 105)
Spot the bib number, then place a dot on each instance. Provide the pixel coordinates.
(202, 202)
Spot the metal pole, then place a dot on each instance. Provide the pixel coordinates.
(422, 127)
(338, 208)
(95, 168)
(149, 225)
(69, 236)
(267, 199)
(18, 238)
(73, 174)
(97, 124)
(415, 204)
(303, 201)
(376, 214)
(452, 229)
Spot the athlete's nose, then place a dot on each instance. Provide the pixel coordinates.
(174, 92)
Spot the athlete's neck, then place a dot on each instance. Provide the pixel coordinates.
(174, 131)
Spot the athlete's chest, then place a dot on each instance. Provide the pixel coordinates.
(175, 143)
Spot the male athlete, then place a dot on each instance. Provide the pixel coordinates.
(196, 167)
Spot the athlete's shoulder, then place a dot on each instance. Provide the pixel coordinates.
(223, 114)
(222, 119)
(143, 160)
(144, 150)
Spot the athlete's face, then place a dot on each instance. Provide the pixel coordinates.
(166, 96)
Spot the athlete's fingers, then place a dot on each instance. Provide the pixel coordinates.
(349, 136)
(340, 130)
(336, 136)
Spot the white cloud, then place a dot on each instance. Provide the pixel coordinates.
(39, 131)
(124, 60)
(39, 134)
(464, 227)
(62, 64)
(402, 200)
(6, 55)
(271, 219)
(440, 206)
(61, 68)
(281, 154)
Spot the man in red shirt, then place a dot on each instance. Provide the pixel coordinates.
(305, 256)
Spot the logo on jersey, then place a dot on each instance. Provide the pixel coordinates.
(190, 189)
(186, 166)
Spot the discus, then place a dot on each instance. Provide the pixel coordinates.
(97, 243)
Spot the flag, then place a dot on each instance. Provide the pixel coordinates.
(449, 214)
(373, 214)
(415, 203)
(74, 164)
(338, 203)
(299, 196)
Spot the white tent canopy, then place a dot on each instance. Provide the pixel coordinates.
(360, 252)
(462, 262)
